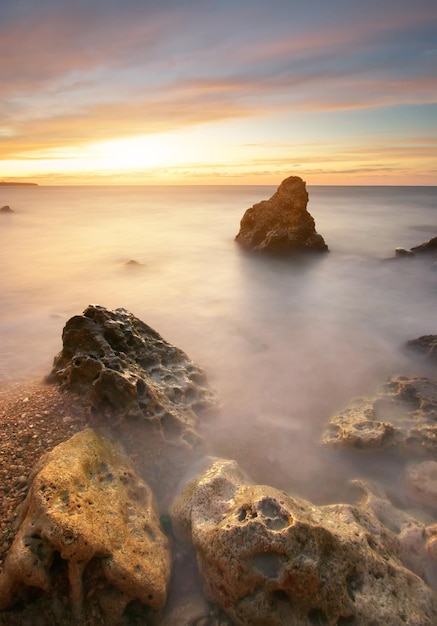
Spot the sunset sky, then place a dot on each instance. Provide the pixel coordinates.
(218, 91)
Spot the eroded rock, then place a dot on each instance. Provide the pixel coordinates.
(87, 507)
(402, 418)
(128, 371)
(268, 558)
(282, 224)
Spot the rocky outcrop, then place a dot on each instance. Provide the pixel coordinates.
(126, 370)
(425, 346)
(6, 209)
(281, 225)
(86, 508)
(268, 558)
(402, 418)
(427, 249)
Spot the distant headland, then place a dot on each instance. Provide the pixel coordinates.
(4, 183)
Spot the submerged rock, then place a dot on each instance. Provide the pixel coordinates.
(402, 418)
(281, 225)
(128, 371)
(268, 558)
(86, 508)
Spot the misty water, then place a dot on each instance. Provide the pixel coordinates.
(285, 344)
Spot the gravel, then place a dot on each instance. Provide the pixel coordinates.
(34, 418)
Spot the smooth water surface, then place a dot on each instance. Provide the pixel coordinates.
(286, 344)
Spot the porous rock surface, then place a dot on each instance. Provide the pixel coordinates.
(126, 370)
(402, 418)
(87, 508)
(282, 224)
(268, 558)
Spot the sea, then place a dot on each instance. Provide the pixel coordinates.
(285, 343)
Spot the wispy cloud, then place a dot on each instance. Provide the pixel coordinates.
(72, 74)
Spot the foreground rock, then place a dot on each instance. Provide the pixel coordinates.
(268, 558)
(281, 225)
(87, 508)
(402, 418)
(128, 371)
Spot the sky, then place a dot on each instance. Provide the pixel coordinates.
(339, 92)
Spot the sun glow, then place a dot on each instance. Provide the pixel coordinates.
(137, 152)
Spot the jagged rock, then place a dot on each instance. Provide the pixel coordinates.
(402, 418)
(127, 370)
(426, 345)
(281, 225)
(268, 558)
(6, 209)
(86, 507)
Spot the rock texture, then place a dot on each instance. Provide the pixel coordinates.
(87, 508)
(281, 225)
(402, 418)
(128, 371)
(268, 558)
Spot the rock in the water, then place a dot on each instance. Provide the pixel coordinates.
(268, 558)
(127, 370)
(403, 252)
(86, 508)
(6, 209)
(426, 346)
(281, 225)
(429, 247)
(402, 418)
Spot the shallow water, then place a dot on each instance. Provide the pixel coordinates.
(285, 344)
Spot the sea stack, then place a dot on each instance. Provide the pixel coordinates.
(282, 224)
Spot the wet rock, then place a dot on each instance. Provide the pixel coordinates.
(6, 209)
(426, 346)
(282, 224)
(87, 509)
(128, 371)
(268, 558)
(402, 418)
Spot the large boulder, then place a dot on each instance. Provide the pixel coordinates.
(268, 558)
(90, 519)
(281, 225)
(126, 370)
(402, 418)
